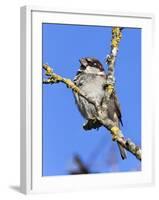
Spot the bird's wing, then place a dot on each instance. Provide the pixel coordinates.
(117, 108)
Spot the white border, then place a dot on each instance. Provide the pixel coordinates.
(31, 101)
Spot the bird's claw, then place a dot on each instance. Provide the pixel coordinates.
(90, 124)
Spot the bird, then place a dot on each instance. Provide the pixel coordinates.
(91, 80)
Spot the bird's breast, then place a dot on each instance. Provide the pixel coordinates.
(92, 86)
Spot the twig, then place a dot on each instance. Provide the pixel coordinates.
(111, 58)
(55, 78)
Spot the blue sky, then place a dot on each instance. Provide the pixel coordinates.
(63, 135)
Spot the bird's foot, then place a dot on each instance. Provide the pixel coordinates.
(116, 133)
(87, 125)
(91, 124)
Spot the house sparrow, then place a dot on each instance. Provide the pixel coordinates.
(91, 80)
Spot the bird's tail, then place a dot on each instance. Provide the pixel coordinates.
(122, 151)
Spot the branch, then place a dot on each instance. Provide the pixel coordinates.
(111, 58)
(55, 78)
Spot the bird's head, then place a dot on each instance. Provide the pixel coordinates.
(91, 65)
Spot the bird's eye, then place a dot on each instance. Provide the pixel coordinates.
(95, 64)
